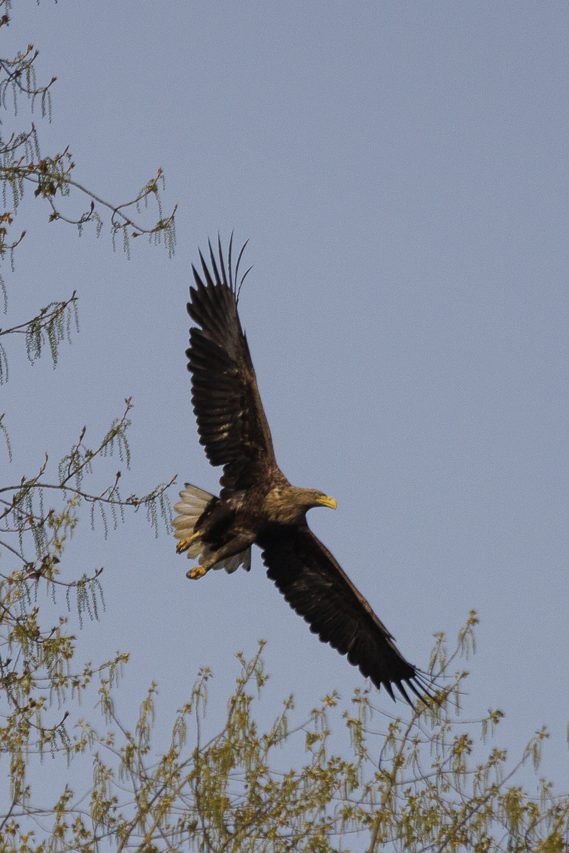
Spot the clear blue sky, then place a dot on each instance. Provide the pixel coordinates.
(401, 170)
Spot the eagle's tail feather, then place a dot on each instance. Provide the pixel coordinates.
(190, 509)
(194, 502)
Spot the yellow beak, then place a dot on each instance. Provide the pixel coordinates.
(327, 501)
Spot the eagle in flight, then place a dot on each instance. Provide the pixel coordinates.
(257, 505)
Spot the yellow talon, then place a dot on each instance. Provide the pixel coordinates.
(184, 544)
(196, 573)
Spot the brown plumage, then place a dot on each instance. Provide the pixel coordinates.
(257, 504)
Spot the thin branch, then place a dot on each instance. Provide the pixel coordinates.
(45, 316)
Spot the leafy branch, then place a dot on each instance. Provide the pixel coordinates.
(234, 789)
(51, 176)
(50, 326)
(18, 500)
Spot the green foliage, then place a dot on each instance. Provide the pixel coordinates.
(52, 176)
(47, 329)
(425, 781)
(39, 512)
(37, 649)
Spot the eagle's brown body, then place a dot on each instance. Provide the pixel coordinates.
(257, 504)
(231, 524)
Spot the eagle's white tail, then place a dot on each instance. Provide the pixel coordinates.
(190, 508)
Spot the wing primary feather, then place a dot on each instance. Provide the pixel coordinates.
(237, 266)
(214, 265)
(221, 261)
(198, 307)
(422, 688)
(229, 264)
(399, 685)
(426, 686)
(243, 277)
(197, 279)
(387, 686)
(208, 277)
(415, 691)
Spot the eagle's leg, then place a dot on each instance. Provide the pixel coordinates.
(184, 544)
(235, 546)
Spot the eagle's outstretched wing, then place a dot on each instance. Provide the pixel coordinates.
(318, 589)
(231, 421)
